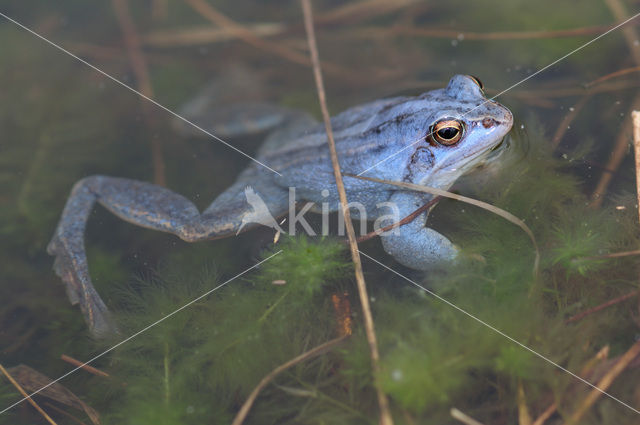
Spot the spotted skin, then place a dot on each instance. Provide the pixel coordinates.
(387, 137)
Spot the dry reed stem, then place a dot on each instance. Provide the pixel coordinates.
(635, 115)
(321, 349)
(602, 306)
(143, 81)
(26, 396)
(211, 14)
(524, 417)
(351, 12)
(546, 414)
(383, 402)
(620, 147)
(84, 366)
(604, 383)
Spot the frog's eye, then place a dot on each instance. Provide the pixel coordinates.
(477, 81)
(447, 132)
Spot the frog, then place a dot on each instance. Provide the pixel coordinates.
(431, 139)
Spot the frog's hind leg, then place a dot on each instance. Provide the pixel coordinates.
(153, 207)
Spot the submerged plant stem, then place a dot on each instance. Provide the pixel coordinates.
(321, 349)
(620, 148)
(83, 366)
(383, 402)
(602, 306)
(605, 383)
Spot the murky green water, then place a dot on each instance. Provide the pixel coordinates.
(60, 121)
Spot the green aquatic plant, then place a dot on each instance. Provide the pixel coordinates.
(203, 361)
(436, 356)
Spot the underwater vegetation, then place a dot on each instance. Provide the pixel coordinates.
(200, 365)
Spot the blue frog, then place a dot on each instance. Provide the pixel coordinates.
(431, 140)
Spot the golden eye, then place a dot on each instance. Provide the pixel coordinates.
(477, 81)
(447, 132)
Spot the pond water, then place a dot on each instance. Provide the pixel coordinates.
(498, 341)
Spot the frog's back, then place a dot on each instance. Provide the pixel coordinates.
(350, 123)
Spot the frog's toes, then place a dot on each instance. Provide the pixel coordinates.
(73, 272)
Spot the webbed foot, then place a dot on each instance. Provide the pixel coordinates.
(71, 268)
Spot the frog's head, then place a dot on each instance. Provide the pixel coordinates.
(463, 129)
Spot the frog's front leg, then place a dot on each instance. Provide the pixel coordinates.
(413, 244)
(145, 205)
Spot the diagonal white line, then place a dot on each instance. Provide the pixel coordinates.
(140, 331)
(449, 303)
(164, 108)
(511, 87)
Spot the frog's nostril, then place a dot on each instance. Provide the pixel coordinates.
(488, 122)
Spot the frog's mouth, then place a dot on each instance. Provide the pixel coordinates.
(452, 168)
(470, 160)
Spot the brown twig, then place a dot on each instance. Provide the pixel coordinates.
(383, 402)
(615, 74)
(204, 35)
(223, 21)
(321, 349)
(546, 414)
(602, 306)
(84, 366)
(604, 383)
(143, 81)
(606, 256)
(617, 155)
(26, 396)
(409, 31)
(406, 220)
(620, 148)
